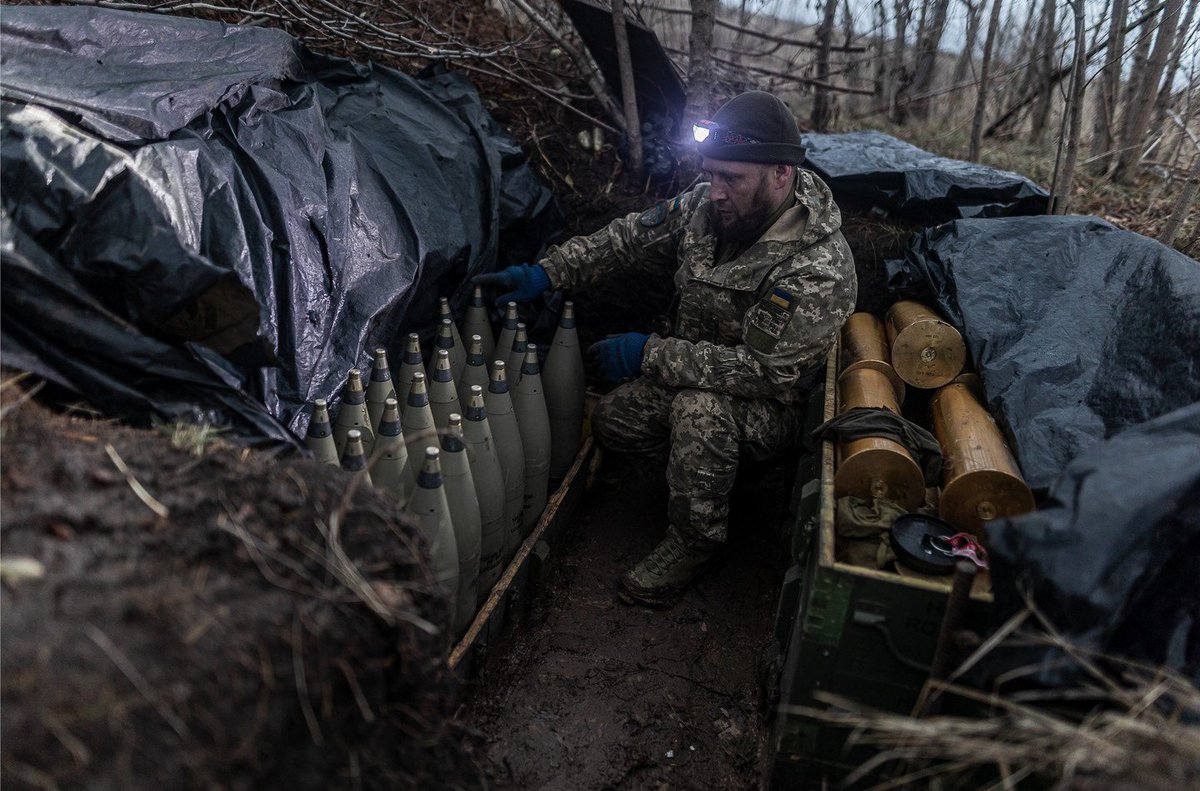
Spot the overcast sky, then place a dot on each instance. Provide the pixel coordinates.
(863, 13)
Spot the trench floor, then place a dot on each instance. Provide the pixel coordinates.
(593, 694)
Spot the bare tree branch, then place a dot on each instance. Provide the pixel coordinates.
(586, 67)
(1058, 76)
(751, 32)
(1182, 203)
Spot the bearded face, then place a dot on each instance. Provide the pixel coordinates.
(742, 195)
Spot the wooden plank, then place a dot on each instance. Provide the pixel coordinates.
(981, 590)
(555, 514)
(825, 536)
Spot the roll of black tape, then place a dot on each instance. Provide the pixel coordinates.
(911, 536)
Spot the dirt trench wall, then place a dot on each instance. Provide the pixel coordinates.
(229, 644)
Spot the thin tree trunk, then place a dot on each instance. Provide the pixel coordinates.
(1061, 197)
(1097, 28)
(1168, 86)
(1133, 142)
(700, 64)
(1137, 75)
(927, 51)
(740, 35)
(822, 109)
(1189, 97)
(1027, 98)
(984, 75)
(1044, 52)
(1110, 89)
(633, 126)
(900, 73)
(882, 83)
(921, 23)
(852, 68)
(1020, 55)
(974, 12)
(1183, 202)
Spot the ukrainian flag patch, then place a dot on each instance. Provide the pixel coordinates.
(769, 319)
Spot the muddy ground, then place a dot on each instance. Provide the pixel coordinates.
(593, 694)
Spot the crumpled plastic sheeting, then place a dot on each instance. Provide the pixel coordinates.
(200, 183)
(1113, 558)
(872, 172)
(1078, 329)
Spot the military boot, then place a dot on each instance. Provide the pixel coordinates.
(659, 578)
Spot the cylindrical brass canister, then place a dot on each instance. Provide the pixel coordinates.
(864, 345)
(980, 478)
(973, 383)
(926, 351)
(875, 466)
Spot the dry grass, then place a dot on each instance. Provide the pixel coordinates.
(1125, 726)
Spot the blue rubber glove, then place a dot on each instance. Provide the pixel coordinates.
(525, 282)
(620, 356)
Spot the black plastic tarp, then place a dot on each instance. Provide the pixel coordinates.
(1077, 328)
(871, 172)
(659, 89)
(1113, 557)
(176, 188)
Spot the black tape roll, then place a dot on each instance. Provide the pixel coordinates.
(910, 536)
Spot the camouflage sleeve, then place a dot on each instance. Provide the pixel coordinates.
(785, 335)
(649, 238)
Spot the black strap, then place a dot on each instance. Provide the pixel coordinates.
(862, 422)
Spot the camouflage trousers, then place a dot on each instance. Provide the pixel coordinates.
(705, 434)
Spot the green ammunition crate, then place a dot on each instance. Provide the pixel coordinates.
(863, 634)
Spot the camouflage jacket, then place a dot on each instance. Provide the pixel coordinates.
(758, 326)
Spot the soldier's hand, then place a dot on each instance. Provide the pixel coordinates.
(522, 283)
(619, 356)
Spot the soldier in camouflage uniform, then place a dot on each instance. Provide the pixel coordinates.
(764, 282)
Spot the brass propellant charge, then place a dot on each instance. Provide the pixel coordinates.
(875, 466)
(864, 345)
(926, 351)
(980, 478)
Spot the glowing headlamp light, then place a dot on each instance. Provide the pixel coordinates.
(703, 130)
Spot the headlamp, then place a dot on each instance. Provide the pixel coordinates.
(703, 130)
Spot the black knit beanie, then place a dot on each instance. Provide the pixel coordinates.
(760, 116)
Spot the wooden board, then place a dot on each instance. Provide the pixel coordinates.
(511, 590)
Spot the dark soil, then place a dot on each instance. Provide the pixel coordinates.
(219, 646)
(596, 694)
(872, 242)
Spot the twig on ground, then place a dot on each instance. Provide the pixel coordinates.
(118, 657)
(28, 394)
(160, 510)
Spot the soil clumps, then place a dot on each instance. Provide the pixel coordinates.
(211, 617)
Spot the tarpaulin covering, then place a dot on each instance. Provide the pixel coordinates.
(872, 172)
(206, 220)
(660, 91)
(1113, 558)
(1078, 329)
